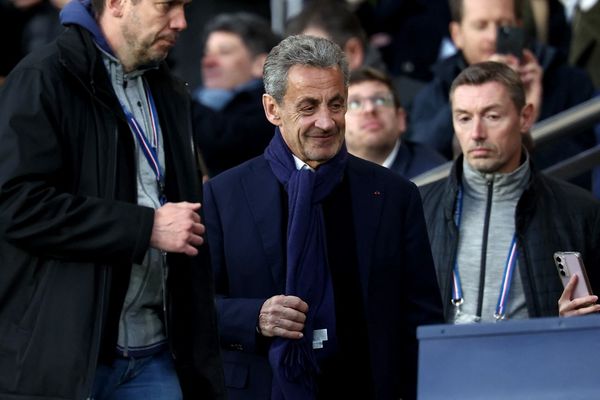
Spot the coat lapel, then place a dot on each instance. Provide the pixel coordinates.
(264, 199)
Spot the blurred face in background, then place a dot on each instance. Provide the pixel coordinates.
(373, 123)
(227, 62)
(475, 35)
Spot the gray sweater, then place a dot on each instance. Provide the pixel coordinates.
(505, 191)
(141, 328)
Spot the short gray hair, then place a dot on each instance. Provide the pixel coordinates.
(302, 50)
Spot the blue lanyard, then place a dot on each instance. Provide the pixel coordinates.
(150, 149)
(511, 262)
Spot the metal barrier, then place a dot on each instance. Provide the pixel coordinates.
(575, 119)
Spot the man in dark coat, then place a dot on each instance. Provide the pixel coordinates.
(321, 259)
(496, 222)
(230, 126)
(103, 276)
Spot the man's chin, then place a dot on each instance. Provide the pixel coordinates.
(484, 166)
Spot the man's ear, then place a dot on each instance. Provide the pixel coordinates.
(355, 53)
(456, 34)
(527, 118)
(258, 64)
(271, 109)
(115, 7)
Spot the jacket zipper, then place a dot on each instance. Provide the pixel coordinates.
(486, 228)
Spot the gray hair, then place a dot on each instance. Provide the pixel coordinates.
(302, 50)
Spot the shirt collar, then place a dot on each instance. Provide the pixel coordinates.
(392, 156)
(301, 164)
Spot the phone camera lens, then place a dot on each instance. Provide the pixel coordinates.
(563, 273)
(560, 265)
(558, 259)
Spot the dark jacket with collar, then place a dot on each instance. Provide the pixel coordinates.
(551, 216)
(70, 228)
(235, 134)
(563, 87)
(415, 158)
(244, 220)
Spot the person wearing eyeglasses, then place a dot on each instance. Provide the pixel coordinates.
(375, 123)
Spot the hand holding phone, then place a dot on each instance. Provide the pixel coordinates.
(569, 263)
(510, 40)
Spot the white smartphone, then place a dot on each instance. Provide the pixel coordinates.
(569, 263)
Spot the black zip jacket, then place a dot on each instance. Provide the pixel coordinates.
(70, 228)
(551, 216)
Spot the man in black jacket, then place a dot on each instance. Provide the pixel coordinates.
(230, 126)
(105, 287)
(496, 222)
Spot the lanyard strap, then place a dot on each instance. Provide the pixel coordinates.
(150, 149)
(511, 262)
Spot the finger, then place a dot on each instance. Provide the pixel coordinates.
(567, 293)
(291, 314)
(190, 251)
(284, 333)
(581, 302)
(296, 303)
(289, 325)
(189, 206)
(197, 228)
(594, 308)
(195, 240)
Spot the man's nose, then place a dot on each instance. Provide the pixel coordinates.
(368, 105)
(178, 22)
(478, 131)
(324, 120)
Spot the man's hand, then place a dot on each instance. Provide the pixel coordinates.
(531, 73)
(177, 228)
(568, 307)
(282, 316)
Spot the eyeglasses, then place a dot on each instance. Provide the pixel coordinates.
(358, 103)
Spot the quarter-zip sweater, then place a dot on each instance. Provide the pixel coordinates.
(550, 215)
(486, 231)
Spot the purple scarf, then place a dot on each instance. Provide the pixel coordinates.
(294, 362)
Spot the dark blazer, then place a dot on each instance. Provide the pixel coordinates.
(415, 158)
(244, 210)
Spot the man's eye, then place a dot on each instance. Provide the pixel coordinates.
(380, 101)
(337, 106)
(354, 104)
(307, 110)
